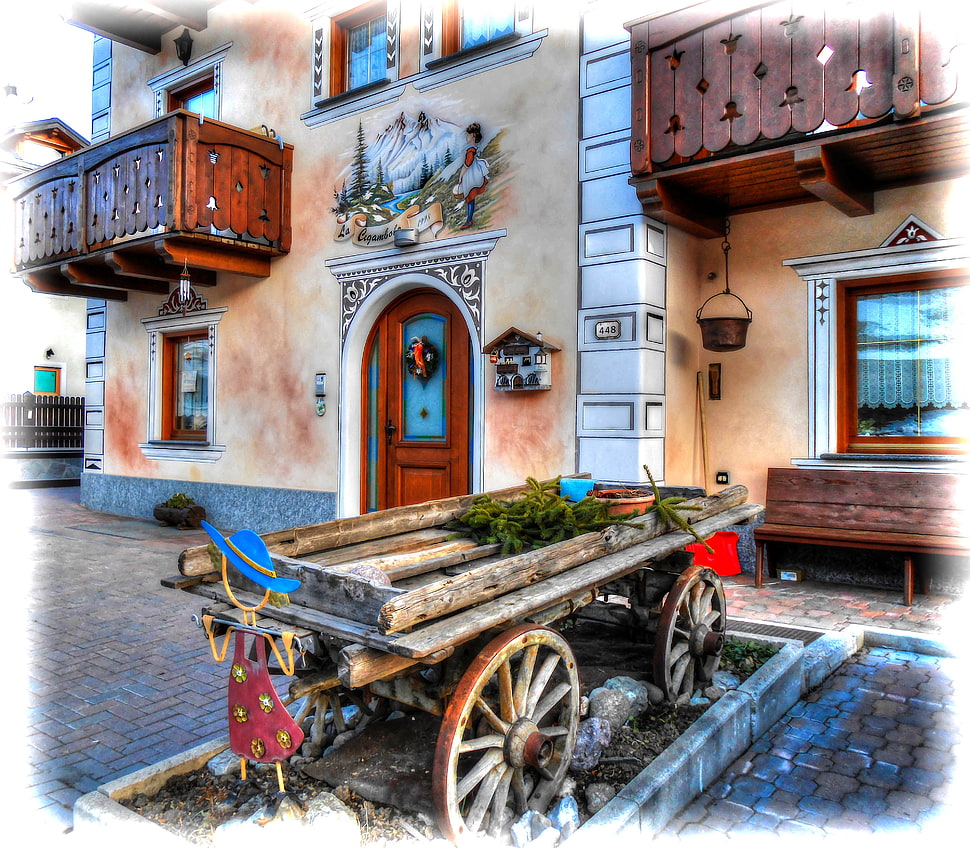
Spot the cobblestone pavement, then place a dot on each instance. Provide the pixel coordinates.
(116, 677)
(873, 750)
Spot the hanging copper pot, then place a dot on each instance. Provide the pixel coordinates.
(724, 332)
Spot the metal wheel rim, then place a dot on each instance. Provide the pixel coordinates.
(690, 635)
(523, 689)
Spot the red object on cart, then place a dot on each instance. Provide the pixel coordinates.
(724, 560)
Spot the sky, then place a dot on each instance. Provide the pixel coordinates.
(49, 62)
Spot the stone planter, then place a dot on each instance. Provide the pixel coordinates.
(646, 804)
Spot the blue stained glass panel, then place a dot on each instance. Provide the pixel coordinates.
(424, 414)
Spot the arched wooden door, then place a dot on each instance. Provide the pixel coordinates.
(416, 403)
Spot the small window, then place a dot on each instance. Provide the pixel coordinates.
(198, 97)
(358, 48)
(185, 380)
(467, 25)
(905, 386)
(47, 380)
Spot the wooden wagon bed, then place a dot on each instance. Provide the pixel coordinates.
(445, 591)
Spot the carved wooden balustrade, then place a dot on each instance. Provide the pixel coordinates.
(835, 103)
(129, 213)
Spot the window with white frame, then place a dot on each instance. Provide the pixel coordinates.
(182, 386)
(195, 88)
(886, 349)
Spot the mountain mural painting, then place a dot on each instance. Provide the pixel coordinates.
(416, 175)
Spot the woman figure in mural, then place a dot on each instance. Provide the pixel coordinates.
(473, 176)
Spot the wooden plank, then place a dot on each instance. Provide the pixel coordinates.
(413, 562)
(359, 666)
(572, 584)
(495, 579)
(313, 538)
(419, 540)
(877, 488)
(836, 536)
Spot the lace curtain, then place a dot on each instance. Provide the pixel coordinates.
(907, 346)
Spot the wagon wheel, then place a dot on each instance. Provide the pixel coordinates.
(690, 635)
(508, 732)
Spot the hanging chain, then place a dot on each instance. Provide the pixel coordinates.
(726, 246)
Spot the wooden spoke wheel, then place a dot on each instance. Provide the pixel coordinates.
(690, 635)
(507, 734)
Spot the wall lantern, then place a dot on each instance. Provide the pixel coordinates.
(405, 237)
(725, 332)
(183, 47)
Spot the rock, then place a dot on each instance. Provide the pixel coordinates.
(335, 818)
(610, 705)
(592, 737)
(583, 706)
(699, 700)
(528, 827)
(224, 763)
(714, 693)
(565, 816)
(639, 693)
(286, 819)
(598, 795)
(726, 680)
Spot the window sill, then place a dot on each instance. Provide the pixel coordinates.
(471, 52)
(883, 462)
(352, 94)
(177, 451)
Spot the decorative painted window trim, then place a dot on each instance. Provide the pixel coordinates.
(457, 262)
(333, 106)
(823, 274)
(210, 63)
(154, 447)
(436, 71)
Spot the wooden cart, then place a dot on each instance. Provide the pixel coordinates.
(459, 631)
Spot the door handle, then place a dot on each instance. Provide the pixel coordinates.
(389, 431)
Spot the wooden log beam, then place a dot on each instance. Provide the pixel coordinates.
(359, 666)
(143, 266)
(823, 174)
(327, 536)
(215, 256)
(577, 583)
(491, 580)
(55, 283)
(663, 200)
(103, 277)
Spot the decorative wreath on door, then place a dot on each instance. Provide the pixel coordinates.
(422, 358)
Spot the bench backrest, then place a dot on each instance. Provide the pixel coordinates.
(886, 501)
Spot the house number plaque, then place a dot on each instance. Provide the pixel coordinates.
(604, 330)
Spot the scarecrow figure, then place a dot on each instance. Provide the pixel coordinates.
(260, 728)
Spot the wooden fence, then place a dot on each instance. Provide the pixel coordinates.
(42, 421)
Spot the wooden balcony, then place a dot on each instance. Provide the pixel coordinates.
(128, 214)
(738, 107)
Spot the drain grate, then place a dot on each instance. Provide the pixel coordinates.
(760, 628)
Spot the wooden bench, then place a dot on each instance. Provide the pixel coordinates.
(911, 512)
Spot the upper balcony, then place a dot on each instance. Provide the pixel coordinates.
(129, 213)
(738, 106)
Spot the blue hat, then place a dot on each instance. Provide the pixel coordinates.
(248, 552)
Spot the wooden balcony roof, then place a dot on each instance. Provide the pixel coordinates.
(738, 108)
(128, 214)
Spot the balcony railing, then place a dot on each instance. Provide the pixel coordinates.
(129, 213)
(782, 103)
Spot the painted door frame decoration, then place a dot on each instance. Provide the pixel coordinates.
(369, 282)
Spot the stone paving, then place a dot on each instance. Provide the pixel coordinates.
(116, 677)
(873, 750)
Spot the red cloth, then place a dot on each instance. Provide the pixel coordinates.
(260, 727)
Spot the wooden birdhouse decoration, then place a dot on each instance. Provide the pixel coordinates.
(521, 361)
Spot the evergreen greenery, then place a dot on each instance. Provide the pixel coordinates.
(540, 518)
(669, 511)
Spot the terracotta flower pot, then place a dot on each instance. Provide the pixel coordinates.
(625, 502)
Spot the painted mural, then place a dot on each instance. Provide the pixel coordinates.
(419, 173)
